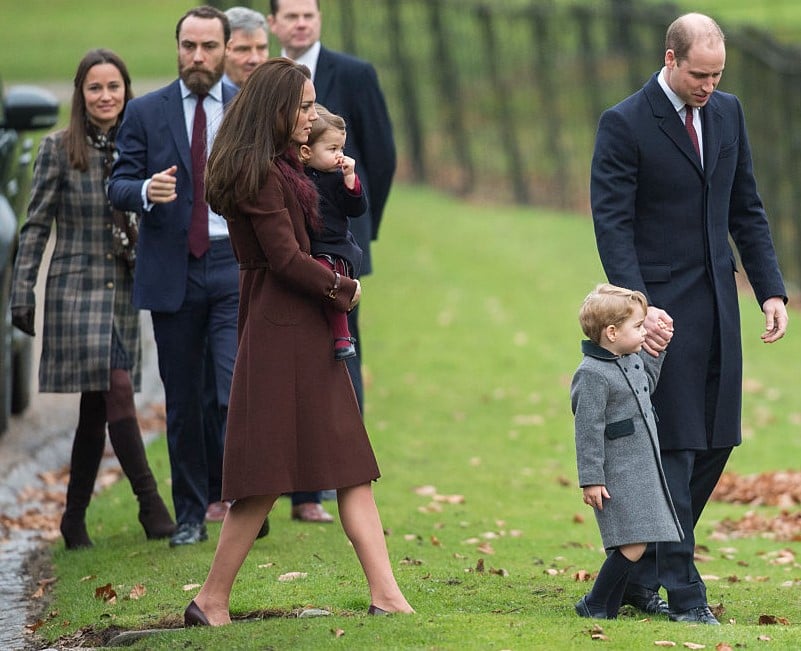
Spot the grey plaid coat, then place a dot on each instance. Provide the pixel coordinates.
(617, 446)
(88, 291)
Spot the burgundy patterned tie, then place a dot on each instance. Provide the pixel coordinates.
(199, 226)
(688, 124)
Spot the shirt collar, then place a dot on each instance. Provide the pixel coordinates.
(677, 102)
(215, 92)
(227, 80)
(308, 58)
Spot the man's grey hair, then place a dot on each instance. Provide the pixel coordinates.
(247, 20)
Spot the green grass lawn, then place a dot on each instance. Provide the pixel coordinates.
(471, 337)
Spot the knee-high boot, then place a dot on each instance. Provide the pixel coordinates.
(126, 439)
(87, 451)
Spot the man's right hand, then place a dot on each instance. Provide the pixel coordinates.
(659, 330)
(22, 316)
(162, 186)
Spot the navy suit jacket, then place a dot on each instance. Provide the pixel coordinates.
(662, 225)
(349, 87)
(151, 138)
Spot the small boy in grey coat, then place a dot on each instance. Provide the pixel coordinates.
(617, 449)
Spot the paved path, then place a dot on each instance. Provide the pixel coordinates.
(37, 441)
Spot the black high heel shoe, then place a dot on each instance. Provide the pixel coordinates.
(375, 610)
(193, 616)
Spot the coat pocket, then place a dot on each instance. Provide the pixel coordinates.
(619, 429)
(655, 273)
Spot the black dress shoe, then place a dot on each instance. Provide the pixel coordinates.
(583, 610)
(188, 533)
(647, 601)
(699, 615)
(193, 616)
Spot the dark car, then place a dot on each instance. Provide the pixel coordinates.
(24, 108)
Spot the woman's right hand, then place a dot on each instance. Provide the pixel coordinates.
(357, 295)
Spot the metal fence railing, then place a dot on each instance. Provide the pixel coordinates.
(500, 99)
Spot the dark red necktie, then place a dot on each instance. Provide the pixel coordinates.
(688, 124)
(199, 226)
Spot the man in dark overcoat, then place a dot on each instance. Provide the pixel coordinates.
(667, 191)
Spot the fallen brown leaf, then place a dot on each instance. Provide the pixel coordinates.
(35, 626)
(693, 645)
(106, 593)
(292, 576)
(582, 575)
(773, 619)
(137, 592)
(665, 643)
(337, 632)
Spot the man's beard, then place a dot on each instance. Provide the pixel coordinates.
(200, 80)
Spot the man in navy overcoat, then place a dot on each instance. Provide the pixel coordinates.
(663, 213)
(193, 297)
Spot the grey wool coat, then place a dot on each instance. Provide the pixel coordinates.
(617, 446)
(88, 289)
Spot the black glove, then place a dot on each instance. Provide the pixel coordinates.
(22, 317)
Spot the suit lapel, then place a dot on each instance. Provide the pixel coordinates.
(711, 121)
(670, 123)
(176, 122)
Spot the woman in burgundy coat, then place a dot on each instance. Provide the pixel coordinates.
(288, 392)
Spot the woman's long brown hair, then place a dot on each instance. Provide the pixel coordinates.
(257, 128)
(75, 137)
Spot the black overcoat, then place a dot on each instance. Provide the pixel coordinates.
(662, 224)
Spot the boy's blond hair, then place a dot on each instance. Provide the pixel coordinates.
(608, 305)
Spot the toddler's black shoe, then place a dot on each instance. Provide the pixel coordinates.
(344, 352)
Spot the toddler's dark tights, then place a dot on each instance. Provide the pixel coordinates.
(607, 592)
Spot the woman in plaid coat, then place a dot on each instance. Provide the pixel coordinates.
(91, 330)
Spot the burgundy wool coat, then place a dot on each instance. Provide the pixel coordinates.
(293, 420)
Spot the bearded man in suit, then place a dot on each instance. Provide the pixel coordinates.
(186, 273)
